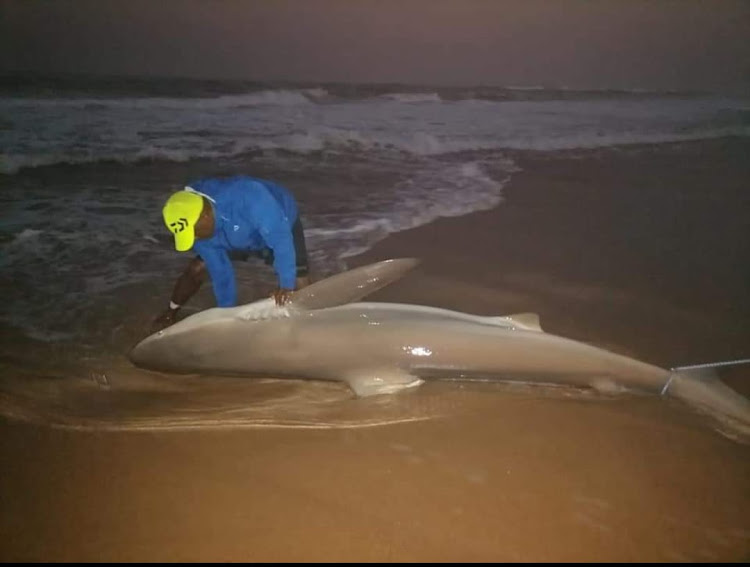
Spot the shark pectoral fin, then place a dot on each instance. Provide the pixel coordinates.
(381, 381)
(332, 291)
(352, 284)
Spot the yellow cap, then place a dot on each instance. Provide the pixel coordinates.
(181, 212)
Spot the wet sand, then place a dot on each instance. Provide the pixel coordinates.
(641, 252)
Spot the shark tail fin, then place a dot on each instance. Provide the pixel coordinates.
(700, 386)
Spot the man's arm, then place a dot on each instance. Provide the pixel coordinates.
(275, 228)
(279, 239)
(186, 286)
(220, 269)
(213, 262)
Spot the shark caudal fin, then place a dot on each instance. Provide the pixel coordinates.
(352, 285)
(701, 387)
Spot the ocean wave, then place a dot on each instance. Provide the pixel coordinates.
(43, 132)
(412, 97)
(77, 85)
(79, 234)
(261, 98)
(351, 142)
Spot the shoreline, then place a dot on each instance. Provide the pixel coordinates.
(484, 474)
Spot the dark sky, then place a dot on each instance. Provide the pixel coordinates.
(577, 43)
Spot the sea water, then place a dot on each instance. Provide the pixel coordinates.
(86, 263)
(86, 164)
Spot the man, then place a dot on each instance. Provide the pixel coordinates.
(225, 219)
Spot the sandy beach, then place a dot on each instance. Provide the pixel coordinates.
(642, 251)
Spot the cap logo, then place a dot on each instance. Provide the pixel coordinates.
(179, 225)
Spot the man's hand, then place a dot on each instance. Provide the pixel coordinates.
(167, 318)
(282, 296)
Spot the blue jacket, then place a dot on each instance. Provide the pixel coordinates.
(249, 214)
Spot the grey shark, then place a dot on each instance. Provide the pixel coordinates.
(325, 333)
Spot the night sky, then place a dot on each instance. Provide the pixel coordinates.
(672, 44)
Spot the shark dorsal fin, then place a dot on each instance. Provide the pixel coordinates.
(525, 321)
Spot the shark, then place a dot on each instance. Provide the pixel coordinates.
(327, 333)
